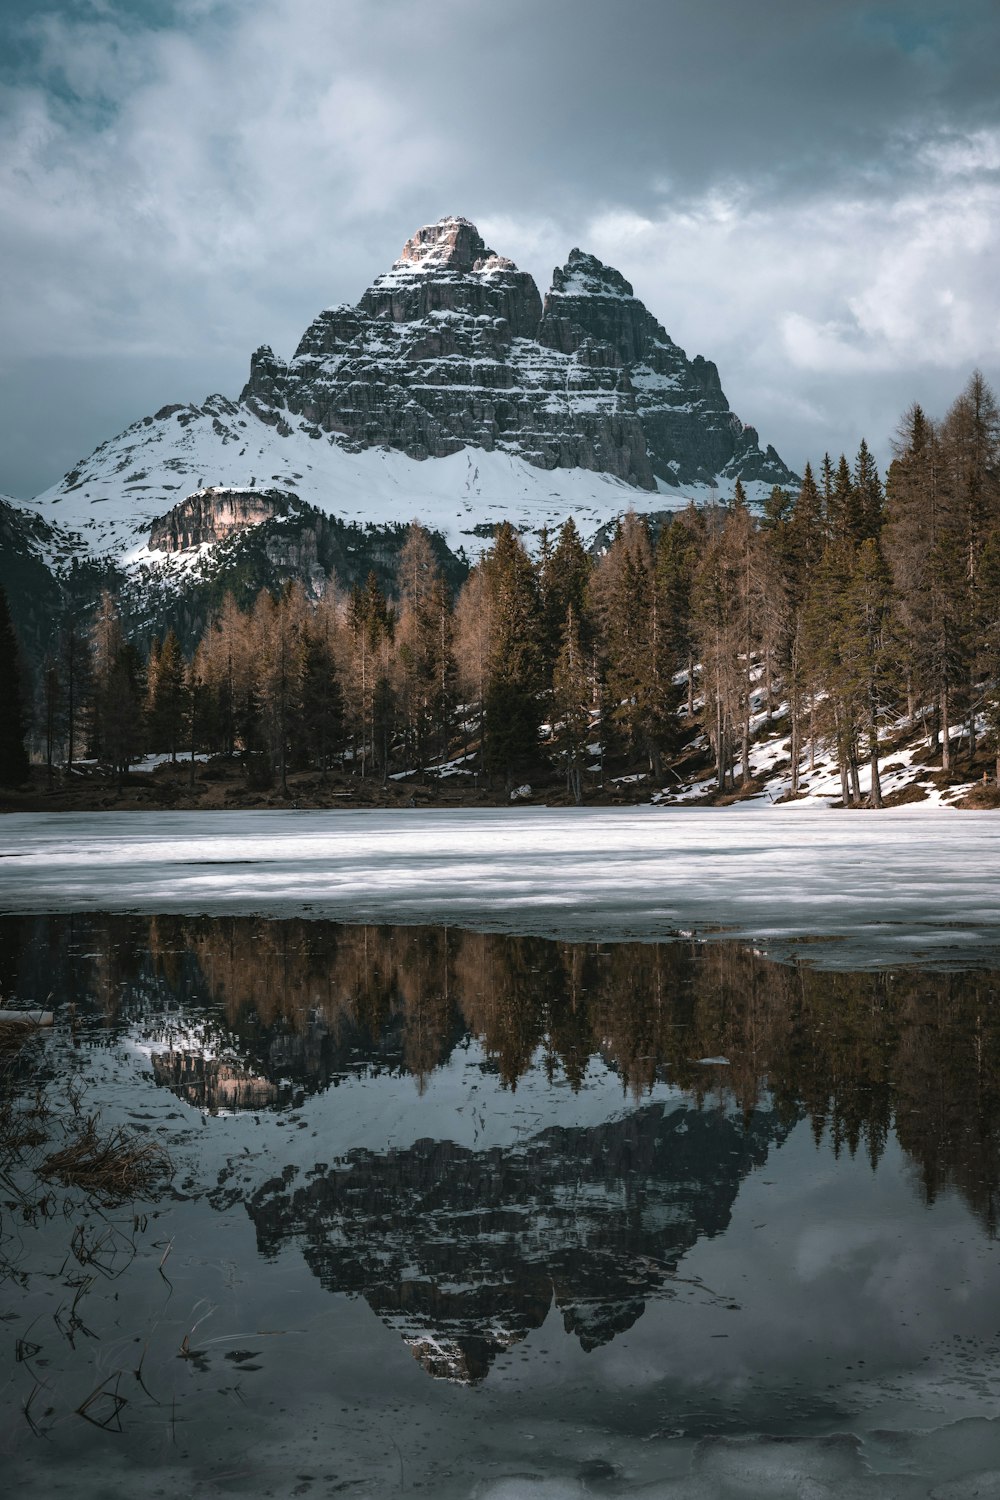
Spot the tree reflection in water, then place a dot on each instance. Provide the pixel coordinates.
(464, 1250)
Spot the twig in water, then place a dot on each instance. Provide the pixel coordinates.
(112, 1422)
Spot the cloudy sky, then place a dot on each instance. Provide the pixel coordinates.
(805, 191)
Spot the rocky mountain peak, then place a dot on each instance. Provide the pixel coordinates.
(585, 275)
(452, 244)
(448, 352)
(447, 267)
(588, 299)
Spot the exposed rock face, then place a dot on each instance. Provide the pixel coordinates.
(453, 348)
(211, 515)
(462, 1252)
(447, 268)
(582, 405)
(692, 435)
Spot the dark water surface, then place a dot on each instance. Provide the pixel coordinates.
(466, 1214)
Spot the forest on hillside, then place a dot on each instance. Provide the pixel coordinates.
(838, 610)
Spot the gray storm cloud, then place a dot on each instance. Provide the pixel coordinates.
(809, 195)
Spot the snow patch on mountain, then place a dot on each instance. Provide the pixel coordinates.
(451, 394)
(115, 496)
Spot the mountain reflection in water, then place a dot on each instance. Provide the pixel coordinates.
(463, 1248)
(464, 1251)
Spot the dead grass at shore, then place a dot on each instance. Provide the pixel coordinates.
(13, 1035)
(111, 1167)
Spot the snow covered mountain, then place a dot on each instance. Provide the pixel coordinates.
(451, 393)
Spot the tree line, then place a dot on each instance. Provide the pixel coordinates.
(837, 611)
(859, 1054)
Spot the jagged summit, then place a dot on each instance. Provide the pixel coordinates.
(452, 244)
(453, 348)
(447, 267)
(577, 404)
(585, 275)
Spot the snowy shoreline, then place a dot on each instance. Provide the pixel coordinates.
(843, 890)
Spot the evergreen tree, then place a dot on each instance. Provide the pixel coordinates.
(52, 713)
(116, 697)
(677, 552)
(988, 639)
(511, 706)
(424, 649)
(75, 672)
(166, 696)
(370, 623)
(843, 508)
(807, 534)
(926, 553)
(564, 573)
(828, 627)
(321, 713)
(646, 619)
(320, 716)
(729, 618)
(13, 721)
(970, 440)
(280, 627)
(870, 498)
(570, 705)
(869, 648)
(713, 624)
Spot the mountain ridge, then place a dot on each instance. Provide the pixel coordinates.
(531, 409)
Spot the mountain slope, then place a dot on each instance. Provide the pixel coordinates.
(452, 393)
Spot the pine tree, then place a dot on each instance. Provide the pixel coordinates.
(570, 705)
(321, 711)
(869, 651)
(116, 699)
(729, 615)
(639, 623)
(826, 656)
(280, 626)
(870, 497)
(803, 547)
(52, 713)
(843, 508)
(677, 551)
(970, 440)
(13, 721)
(166, 696)
(926, 552)
(320, 717)
(75, 672)
(424, 649)
(371, 624)
(511, 707)
(564, 573)
(717, 650)
(988, 639)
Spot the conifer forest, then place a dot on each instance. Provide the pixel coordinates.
(853, 604)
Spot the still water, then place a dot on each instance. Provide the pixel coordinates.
(471, 1214)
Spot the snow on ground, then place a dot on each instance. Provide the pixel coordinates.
(819, 775)
(906, 884)
(150, 762)
(141, 474)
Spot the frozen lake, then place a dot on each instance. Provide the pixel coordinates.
(491, 1180)
(859, 888)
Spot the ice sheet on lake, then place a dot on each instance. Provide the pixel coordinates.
(874, 889)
